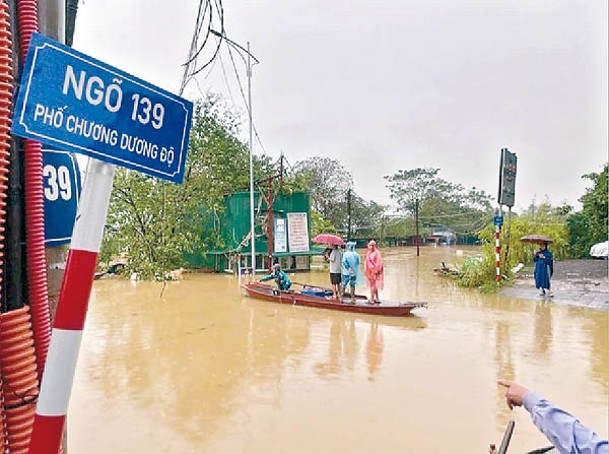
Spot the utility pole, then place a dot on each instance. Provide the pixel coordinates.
(349, 213)
(416, 224)
(270, 222)
(249, 65)
(281, 171)
(249, 108)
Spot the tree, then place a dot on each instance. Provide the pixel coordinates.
(328, 183)
(544, 222)
(589, 226)
(156, 222)
(436, 202)
(411, 187)
(366, 217)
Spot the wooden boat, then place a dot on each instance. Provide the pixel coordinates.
(313, 296)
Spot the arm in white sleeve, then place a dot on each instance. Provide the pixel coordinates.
(563, 430)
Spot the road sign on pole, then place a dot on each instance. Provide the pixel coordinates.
(507, 178)
(62, 188)
(79, 104)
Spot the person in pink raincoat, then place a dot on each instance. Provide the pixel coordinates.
(373, 268)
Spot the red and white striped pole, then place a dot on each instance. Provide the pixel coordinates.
(497, 253)
(71, 310)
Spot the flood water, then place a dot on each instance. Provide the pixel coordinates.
(196, 367)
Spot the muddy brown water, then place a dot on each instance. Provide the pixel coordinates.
(200, 368)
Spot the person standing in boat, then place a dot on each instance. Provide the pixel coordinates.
(335, 258)
(281, 278)
(373, 267)
(350, 269)
(544, 268)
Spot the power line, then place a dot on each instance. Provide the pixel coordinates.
(205, 20)
(230, 53)
(205, 15)
(226, 80)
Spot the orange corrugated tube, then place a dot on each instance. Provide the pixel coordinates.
(27, 21)
(20, 385)
(6, 90)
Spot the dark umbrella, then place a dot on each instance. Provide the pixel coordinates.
(537, 239)
(328, 238)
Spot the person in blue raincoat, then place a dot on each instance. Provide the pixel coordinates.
(281, 278)
(544, 268)
(350, 269)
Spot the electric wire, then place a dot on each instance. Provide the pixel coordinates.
(230, 53)
(205, 20)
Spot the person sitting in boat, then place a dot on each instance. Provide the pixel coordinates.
(281, 278)
(350, 269)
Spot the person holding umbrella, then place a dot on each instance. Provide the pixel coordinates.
(544, 268)
(333, 255)
(335, 259)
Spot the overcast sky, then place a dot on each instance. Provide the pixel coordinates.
(395, 84)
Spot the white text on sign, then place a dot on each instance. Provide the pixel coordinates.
(111, 95)
(103, 134)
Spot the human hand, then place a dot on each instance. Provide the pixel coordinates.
(514, 396)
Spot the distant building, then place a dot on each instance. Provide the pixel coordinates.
(444, 237)
(282, 235)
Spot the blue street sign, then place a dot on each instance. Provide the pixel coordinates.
(61, 178)
(498, 220)
(79, 104)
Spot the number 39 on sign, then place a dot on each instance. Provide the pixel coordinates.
(61, 178)
(57, 182)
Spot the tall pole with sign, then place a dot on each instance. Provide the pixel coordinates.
(80, 104)
(507, 189)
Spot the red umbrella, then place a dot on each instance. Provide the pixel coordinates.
(328, 238)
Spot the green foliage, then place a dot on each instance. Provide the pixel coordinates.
(477, 272)
(366, 218)
(320, 225)
(411, 187)
(590, 225)
(328, 183)
(156, 222)
(398, 227)
(440, 203)
(546, 221)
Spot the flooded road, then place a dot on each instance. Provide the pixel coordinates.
(197, 367)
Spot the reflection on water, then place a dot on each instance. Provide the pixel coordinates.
(199, 368)
(374, 350)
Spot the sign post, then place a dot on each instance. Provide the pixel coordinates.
(80, 104)
(507, 190)
(498, 221)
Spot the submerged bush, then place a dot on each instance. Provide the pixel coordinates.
(476, 271)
